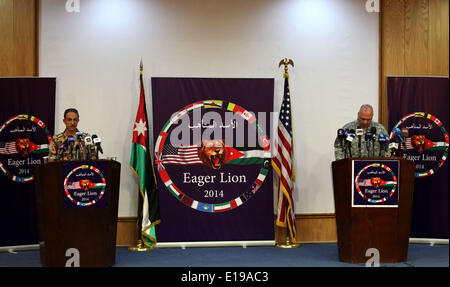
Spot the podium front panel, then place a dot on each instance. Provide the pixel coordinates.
(78, 205)
(364, 221)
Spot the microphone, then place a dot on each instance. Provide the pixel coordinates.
(359, 133)
(382, 140)
(368, 138)
(61, 149)
(373, 130)
(349, 140)
(97, 141)
(403, 137)
(71, 142)
(341, 137)
(394, 144)
(80, 140)
(88, 144)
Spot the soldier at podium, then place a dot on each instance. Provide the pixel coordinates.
(362, 137)
(71, 144)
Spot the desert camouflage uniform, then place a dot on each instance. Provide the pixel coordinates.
(339, 149)
(59, 139)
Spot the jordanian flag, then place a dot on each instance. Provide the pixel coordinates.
(428, 145)
(189, 154)
(10, 148)
(91, 185)
(381, 183)
(142, 165)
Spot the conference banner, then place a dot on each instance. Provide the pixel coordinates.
(212, 155)
(84, 185)
(419, 107)
(375, 183)
(27, 114)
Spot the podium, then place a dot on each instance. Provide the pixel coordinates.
(77, 203)
(363, 222)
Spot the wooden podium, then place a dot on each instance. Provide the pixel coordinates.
(66, 222)
(360, 228)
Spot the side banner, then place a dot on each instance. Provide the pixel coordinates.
(420, 106)
(27, 114)
(212, 159)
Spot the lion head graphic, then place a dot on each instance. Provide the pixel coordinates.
(375, 181)
(23, 146)
(212, 153)
(84, 184)
(418, 142)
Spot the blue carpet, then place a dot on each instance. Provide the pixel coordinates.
(308, 255)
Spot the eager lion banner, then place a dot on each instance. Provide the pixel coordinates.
(419, 107)
(27, 115)
(212, 158)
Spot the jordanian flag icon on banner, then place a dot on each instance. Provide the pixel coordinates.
(23, 147)
(84, 184)
(213, 154)
(420, 143)
(376, 182)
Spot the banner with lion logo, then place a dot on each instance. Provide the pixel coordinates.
(419, 107)
(212, 158)
(27, 115)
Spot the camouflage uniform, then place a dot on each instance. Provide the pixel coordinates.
(339, 148)
(57, 141)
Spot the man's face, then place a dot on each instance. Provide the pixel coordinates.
(71, 122)
(365, 118)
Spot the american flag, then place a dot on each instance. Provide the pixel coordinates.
(8, 148)
(283, 165)
(182, 155)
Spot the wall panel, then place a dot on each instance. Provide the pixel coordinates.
(414, 41)
(18, 24)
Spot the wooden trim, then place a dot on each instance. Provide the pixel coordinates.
(311, 228)
(414, 41)
(37, 27)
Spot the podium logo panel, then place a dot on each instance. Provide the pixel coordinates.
(375, 183)
(84, 185)
(24, 141)
(427, 143)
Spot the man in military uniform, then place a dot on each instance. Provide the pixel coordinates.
(59, 147)
(364, 122)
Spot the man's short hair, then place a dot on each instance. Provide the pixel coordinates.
(366, 107)
(71, 110)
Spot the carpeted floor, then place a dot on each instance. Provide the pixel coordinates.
(308, 255)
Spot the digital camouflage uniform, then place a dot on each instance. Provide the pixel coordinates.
(339, 149)
(59, 139)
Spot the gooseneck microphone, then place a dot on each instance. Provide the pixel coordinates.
(394, 144)
(348, 141)
(368, 137)
(61, 149)
(403, 137)
(382, 140)
(373, 131)
(97, 142)
(359, 133)
(88, 145)
(80, 146)
(341, 137)
(71, 142)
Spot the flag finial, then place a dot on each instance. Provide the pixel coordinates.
(286, 62)
(141, 67)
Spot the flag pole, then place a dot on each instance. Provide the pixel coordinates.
(140, 246)
(287, 240)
